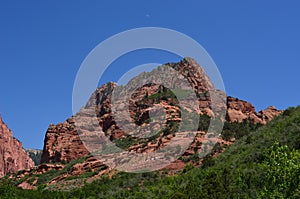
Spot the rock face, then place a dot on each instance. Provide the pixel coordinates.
(12, 155)
(238, 110)
(62, 141)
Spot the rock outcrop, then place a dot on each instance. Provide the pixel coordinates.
(12, 155)
(238, 110)
(62, 174)
(62, 141)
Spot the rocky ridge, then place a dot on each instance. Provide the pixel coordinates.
(238, 110)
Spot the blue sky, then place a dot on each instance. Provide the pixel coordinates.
(255, 45)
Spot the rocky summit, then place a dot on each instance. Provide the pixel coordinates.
(62, 141)
(12, 155)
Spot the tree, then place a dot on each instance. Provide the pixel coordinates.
(283, 171)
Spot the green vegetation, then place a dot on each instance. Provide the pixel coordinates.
(204, 122)
(238, 129)
(51, 174)
(261, 164)
(166, 95)
(126, 142)
(283, 172)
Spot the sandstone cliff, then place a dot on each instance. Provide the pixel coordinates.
(62, 143)
(12, 155)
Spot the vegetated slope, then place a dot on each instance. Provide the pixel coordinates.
(239, 172)
(242, 171)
